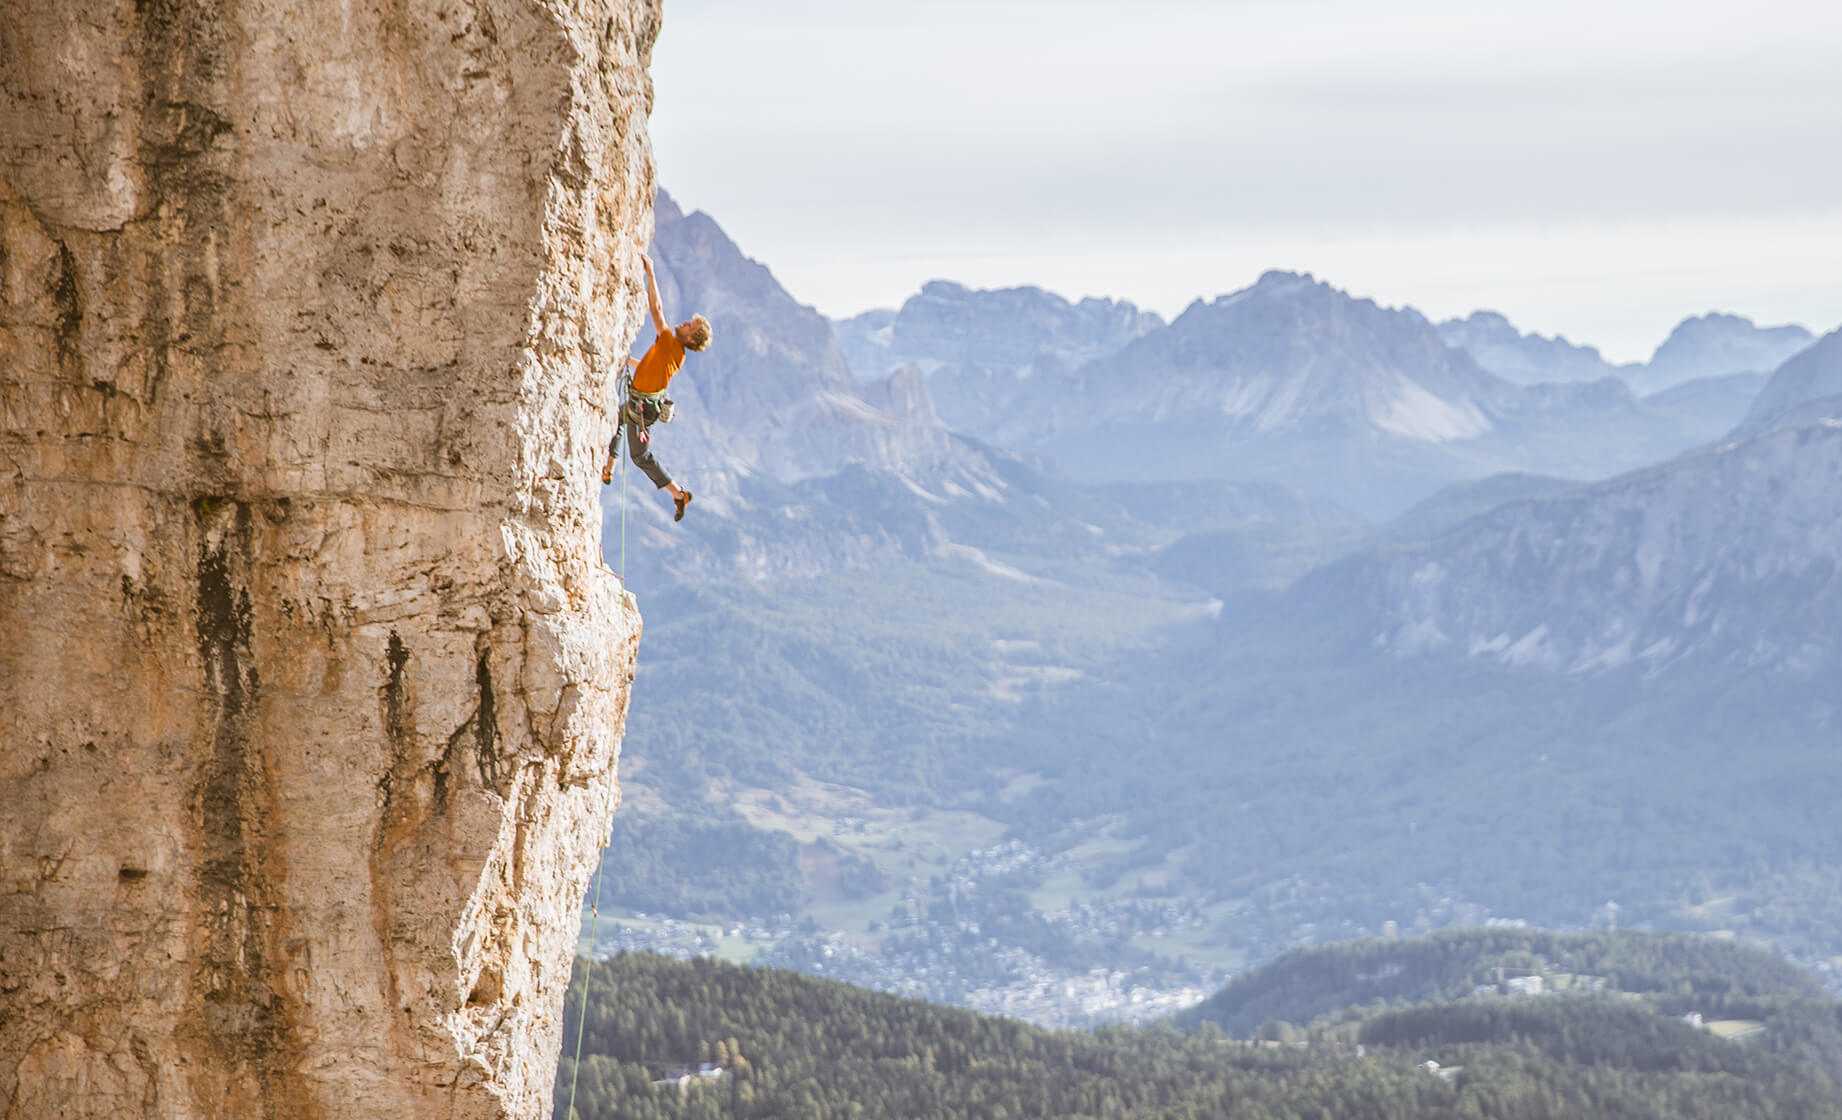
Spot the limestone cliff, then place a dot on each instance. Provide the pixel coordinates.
(311, 679)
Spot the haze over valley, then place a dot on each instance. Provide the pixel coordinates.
(1058, 660)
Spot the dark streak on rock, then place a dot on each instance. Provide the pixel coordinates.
(481, 732)
(190, 172)
(67, 327)
(239, 1014)
(396, 657)
(486, 728)
(243, 1015)
(397, 816)
(396, 660)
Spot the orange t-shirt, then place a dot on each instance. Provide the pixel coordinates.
(655, 370)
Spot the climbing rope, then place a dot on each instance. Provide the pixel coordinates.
(594, 901)
(588, 969)
(626, 385)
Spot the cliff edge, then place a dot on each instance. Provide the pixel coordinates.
(311, 678)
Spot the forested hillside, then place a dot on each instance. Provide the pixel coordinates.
(706, 1039)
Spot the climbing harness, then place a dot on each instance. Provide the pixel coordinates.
(634, 410)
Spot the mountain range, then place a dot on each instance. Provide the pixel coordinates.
(1289, 383)
(1291, 380)
(1286, 608)
(1715, 345)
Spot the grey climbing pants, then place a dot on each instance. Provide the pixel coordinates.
(639, 441)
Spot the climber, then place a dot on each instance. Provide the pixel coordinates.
(646, 403)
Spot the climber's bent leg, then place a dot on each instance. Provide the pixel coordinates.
(639, 449)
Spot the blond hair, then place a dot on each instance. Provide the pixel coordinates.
(700, 333)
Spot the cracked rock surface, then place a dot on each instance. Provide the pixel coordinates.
(311, 679)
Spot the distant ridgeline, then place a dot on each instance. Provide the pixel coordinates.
(1304, 985)
(707, 1039)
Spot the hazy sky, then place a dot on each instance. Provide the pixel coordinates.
(1595, 168)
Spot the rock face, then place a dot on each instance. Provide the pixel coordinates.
(1807, 386)
(311, 680)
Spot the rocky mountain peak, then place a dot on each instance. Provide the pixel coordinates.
(945, 291)
(1807, 386)
(1273, 286)
(1277, 281)
(1719, 343)
(1496, 344)
(772, 354)
(665, 209)
(795, 463)
(1292, 351)
(989, 329)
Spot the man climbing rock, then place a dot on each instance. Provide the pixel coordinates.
(646, 402)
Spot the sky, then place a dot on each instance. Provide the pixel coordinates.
(1598, 169)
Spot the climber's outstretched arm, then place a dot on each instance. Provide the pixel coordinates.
(652, 296)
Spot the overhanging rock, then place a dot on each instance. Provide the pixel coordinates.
(311, 679)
